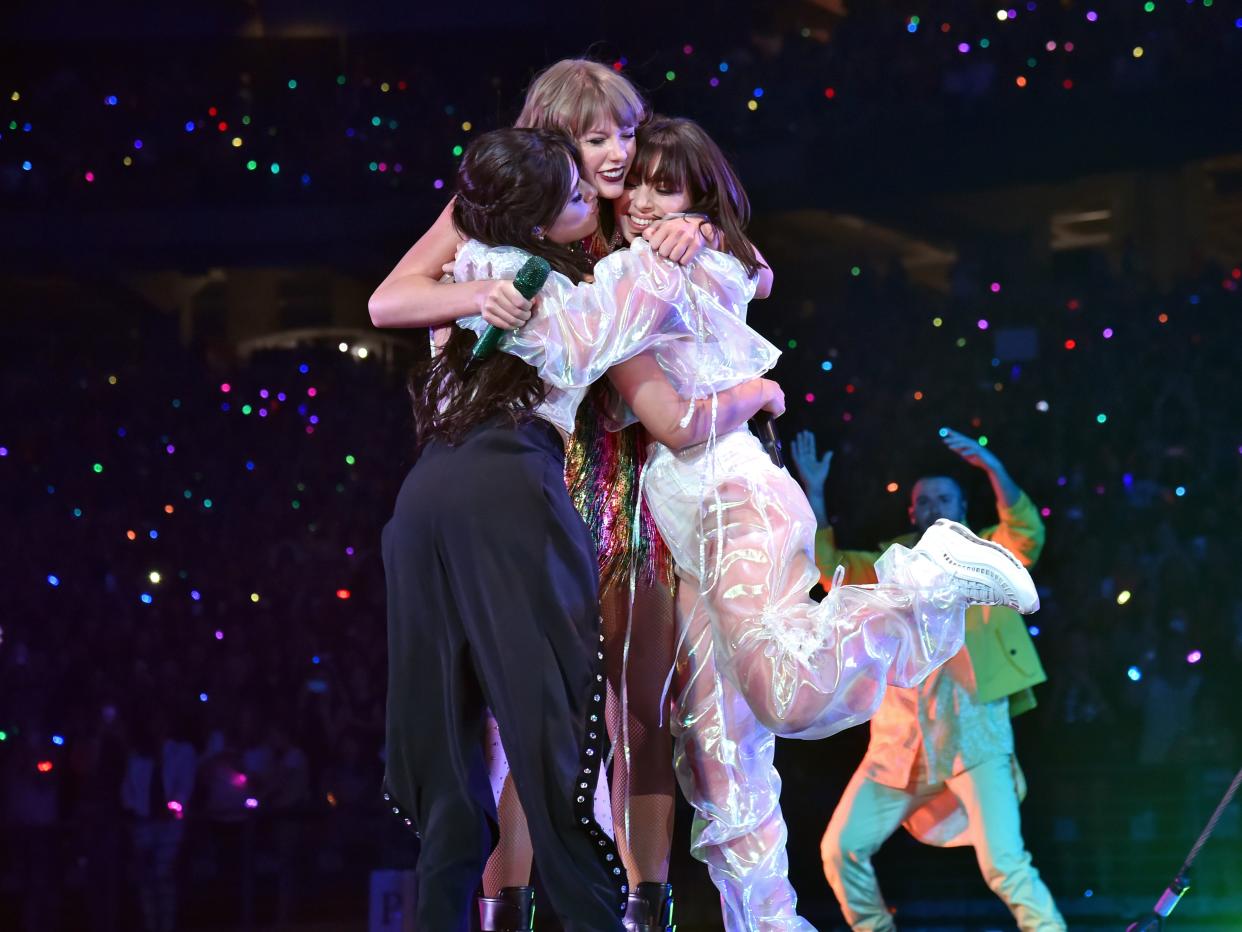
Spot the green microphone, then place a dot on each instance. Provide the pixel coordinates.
(530, 278)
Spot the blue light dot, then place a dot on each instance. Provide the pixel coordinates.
(189, 126)
(146, 598)
(1194, 299)
(724, 66)
(110, 100)
(77, 512)
(26, 166)
(154, 535)
(1180, 491)
(1088, 893)
(315, 659)
(305, 178)
(250, 465)
(53, 580)
(912, 27)
(758, 92)
(195, 595)
(1034, 629)
(944, 432)
(826, 365)
(224, 406)
(202, 697)
(1135, 674)
(137, 143)
(304, 368)
(58, 740)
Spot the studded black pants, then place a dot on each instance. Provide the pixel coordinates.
(493, 602)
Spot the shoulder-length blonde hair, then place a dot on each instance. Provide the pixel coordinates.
(576, 93)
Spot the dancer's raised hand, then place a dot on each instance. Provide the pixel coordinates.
(812, 468)
(971, 450)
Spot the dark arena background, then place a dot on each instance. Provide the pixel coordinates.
(1021, 221)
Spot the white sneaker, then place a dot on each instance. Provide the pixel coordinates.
(984, 572)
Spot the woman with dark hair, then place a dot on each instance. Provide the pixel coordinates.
(601, 110)
(491, 576)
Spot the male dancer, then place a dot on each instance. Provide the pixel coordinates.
(941, 758)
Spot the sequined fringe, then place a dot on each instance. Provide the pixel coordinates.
(601, 473)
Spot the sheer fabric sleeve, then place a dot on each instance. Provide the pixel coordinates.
(638, 302)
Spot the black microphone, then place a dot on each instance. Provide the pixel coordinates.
(764, 426)
(530, 278)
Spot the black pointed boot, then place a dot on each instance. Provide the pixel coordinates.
(650, 908)
(512, 911)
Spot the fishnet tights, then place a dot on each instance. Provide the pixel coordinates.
(647, 779)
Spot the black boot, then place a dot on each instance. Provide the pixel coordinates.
(650, 908)
(512, 911)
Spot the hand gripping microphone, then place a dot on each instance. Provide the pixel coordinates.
(764, 426)
(530, 278)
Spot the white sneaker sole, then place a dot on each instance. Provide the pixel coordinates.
(962, 531)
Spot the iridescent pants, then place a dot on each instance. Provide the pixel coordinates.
(757, 656)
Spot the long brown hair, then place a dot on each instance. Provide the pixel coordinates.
(510, 182)
(677, 154)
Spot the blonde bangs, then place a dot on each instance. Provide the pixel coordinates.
(576, 94)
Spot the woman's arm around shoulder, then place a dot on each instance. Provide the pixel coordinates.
(413, 296)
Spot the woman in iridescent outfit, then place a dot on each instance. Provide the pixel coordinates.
(756, 656)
